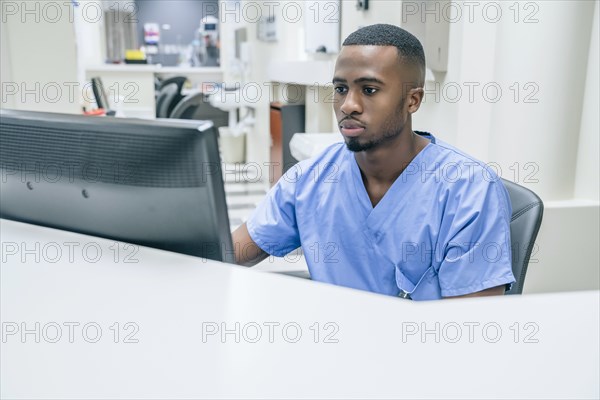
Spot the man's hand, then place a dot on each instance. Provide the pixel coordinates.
(247, 253)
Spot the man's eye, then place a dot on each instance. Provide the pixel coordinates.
(340, 89)
(370, 90)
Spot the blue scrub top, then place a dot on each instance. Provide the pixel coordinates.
(442, 229)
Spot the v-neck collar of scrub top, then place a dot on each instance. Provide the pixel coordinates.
(376, 216)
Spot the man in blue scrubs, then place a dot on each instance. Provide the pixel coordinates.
(391, 210)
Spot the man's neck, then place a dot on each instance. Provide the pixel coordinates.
(383, 165)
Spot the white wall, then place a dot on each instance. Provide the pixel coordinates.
(88, 31)
(379, 12)
(568, 253)
(38, 47)
(6, 101)
(565, 256)
(522, 138)
(545, 133)
(587, 182)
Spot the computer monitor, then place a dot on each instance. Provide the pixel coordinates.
(151, 183)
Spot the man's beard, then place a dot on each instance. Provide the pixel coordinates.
(353, 144)
(392, 129)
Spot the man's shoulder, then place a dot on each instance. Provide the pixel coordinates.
(462, 176)
(457, 166)
(450, 153)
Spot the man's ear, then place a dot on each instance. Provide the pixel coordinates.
(414, 98)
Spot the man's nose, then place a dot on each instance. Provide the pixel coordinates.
(351, 104)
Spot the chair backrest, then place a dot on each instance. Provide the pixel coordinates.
(178, 80)
(167, 98)
(159, 84)
(99, 93)
(197, 106)
(525, 222)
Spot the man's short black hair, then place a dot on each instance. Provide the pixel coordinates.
(410, 50)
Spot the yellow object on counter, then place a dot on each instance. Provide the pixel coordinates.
(135, 55)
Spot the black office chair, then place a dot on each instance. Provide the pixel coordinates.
(179, 81)
(100, 96)
(167, 98)
(525, 222)
(197, 106)
(157, 84)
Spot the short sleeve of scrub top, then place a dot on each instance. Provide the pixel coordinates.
(272, 225)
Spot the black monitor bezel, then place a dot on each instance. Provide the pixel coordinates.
(204, 131)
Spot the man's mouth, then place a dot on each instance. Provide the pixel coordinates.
(351, 128)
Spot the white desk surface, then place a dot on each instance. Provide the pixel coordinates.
(171, 298)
